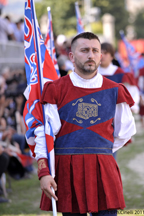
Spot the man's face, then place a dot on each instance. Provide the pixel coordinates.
(86, 56)
(106, 59)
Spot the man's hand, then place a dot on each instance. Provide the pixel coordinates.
(46, 182)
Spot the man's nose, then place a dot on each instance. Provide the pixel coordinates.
(90, 54)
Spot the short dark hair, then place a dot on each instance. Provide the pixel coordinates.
(108, 48)
(85, 35)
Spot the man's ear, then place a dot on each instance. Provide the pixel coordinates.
(71, 57)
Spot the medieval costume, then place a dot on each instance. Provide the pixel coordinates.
(90, 118)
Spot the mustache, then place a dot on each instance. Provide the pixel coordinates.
(90, 61)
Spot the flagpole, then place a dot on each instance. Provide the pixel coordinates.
(51, 47)
(42, 84)
(80, 28)
(49, 11)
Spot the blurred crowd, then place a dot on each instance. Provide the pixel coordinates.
(15, 156)
(11, 30)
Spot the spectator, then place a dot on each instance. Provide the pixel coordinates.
(11, 156)
(6, 29)
(12, 25)
(19, 33)
(10, 116)
(4, 161)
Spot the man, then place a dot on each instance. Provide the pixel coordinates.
(83, 109)
(116, 74)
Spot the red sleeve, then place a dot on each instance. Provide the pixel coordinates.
(43, 169)
(124, 95)
(49, 94)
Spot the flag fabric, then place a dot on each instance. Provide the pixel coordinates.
(80, 28)
(39, 69)
(125, 68)
(3, 2)
(49, 42)
(25, 160)
(135, 59)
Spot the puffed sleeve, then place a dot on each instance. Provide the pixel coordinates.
(49, 94)
(124, 95)
(52, 116)
(52, 120)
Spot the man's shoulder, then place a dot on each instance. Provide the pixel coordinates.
(62, 79)
(58, 82)
(119, 70)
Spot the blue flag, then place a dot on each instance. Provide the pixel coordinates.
(80, 28)
(135, 59)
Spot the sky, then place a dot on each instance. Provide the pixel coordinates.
(15, 9)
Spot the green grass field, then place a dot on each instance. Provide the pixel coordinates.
(25, 195)
(131, 163)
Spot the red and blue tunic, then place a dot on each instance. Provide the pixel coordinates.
(87, 175)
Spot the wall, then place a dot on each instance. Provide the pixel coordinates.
(11, 54)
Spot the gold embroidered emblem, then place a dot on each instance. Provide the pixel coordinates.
(73, 104)
(41, 165)
(87, 110)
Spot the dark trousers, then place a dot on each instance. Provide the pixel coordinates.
(100, 213)
(4, 161)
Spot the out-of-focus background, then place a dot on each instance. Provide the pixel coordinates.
(103, 17)
(19, 186)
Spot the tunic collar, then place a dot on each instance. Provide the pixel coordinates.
(95, 82)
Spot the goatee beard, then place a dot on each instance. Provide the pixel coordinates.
(84, 68)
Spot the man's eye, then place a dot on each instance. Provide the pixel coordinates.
(84, 50)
